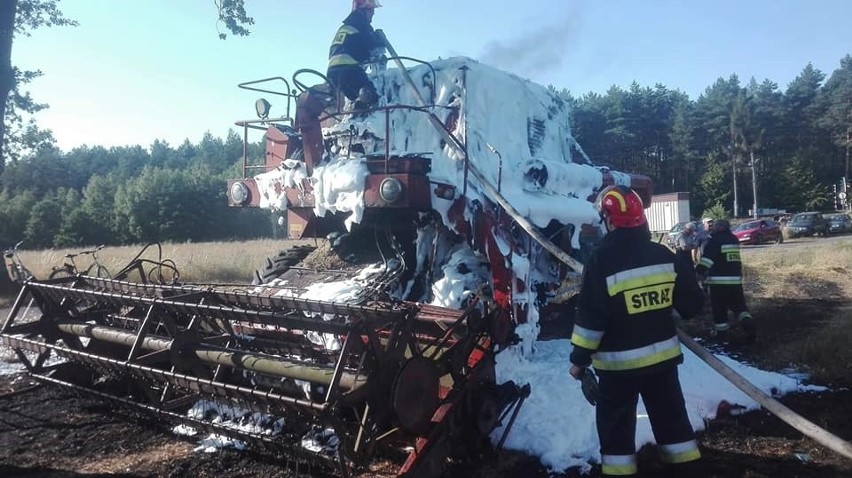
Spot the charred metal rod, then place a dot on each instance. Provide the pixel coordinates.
(220, 356)
(113, 335)
(194, 384)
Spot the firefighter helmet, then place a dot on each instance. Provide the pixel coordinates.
(356, 4)
(622, 206)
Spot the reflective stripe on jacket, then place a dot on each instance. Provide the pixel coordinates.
(353, 42)
(630, 286)
(338, 53)
(721, 261)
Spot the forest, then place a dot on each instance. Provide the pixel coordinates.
(793, 143)
(738, 144)
(792, 146)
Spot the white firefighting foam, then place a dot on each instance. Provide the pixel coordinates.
(509, 126)
(513, 129)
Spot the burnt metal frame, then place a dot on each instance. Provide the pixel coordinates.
(166, 324)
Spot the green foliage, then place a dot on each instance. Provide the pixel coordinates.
(232, 13)
(117, 195)
(804, 192)
(120, 195)
(716, 211)
(43, 222)
(714, 185)
(837, 118)
(34, 14)
(21, 136)
(797, 141)
(15, 211)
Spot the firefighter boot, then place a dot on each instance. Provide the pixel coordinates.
(747, 323)
(719, 332)
(367, 98)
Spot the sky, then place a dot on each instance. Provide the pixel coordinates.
(136, 71)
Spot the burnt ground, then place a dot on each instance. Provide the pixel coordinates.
(47, 432)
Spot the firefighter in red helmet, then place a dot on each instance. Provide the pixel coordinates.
(354, 44)
(626, 331)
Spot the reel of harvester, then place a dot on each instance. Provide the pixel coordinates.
(388, 376)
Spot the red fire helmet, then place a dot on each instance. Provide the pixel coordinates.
(622, 206)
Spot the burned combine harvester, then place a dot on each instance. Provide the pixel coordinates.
(453, 217)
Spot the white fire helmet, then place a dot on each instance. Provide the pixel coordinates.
(356, 4)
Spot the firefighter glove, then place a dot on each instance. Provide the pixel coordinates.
(589, 385)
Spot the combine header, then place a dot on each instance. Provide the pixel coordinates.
(455, 215)
(404, 374)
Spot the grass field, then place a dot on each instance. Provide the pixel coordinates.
(802, 299)
(197, 262)
(812, 280)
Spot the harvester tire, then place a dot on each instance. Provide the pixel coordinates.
(277, 265)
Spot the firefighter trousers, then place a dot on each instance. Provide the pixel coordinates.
(616, 421)
(724, 298)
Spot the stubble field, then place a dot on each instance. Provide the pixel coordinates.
(799, 293)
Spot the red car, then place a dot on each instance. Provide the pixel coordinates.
(758, 232)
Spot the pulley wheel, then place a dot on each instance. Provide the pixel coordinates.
(415, 394)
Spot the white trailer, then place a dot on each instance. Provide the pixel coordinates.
(667, 210)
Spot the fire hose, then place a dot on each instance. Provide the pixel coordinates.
(806, 427)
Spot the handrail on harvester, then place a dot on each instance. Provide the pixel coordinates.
(775, 407)
(491, 190)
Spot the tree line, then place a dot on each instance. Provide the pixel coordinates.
(794, 143)
(791, 146)
(125, 195)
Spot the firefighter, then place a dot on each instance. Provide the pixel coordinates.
(625, 329)
(355, 43)
(687, 244)
(703, 236)
(721, 268)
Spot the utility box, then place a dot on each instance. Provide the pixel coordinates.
(667, 210)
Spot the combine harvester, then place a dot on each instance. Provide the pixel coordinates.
(454, 216)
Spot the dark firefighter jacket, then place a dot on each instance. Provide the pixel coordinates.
(720, 261)
(354, 42)
(624, 315)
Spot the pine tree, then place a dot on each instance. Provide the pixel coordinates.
(838, 113)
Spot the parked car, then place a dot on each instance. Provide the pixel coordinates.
(759, 232)
(839, 224)
(674, 232)
(807, 224)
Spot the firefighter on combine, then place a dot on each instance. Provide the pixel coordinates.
(625, 329)
(354, 44)
(721, 269)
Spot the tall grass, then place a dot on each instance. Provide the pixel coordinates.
(197, 262)
(236, 261)
(815, 271)
(814, 256)
(818, 276)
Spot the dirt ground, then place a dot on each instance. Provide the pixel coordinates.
(49, 433)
